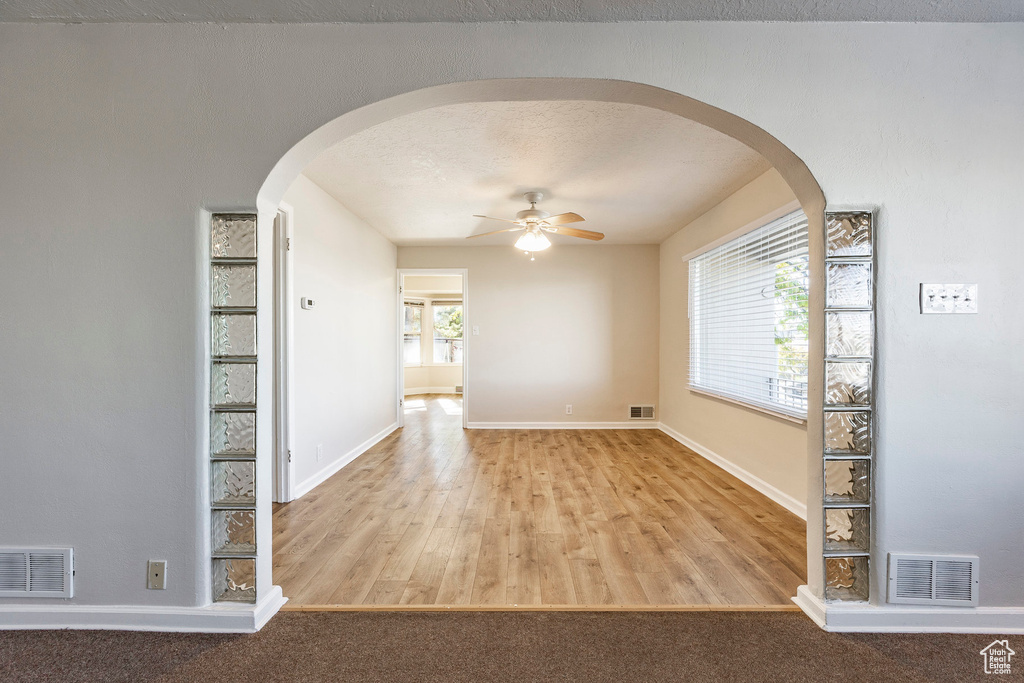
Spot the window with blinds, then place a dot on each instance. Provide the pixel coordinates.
(749, 320)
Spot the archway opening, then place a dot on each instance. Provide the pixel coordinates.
(363, 540)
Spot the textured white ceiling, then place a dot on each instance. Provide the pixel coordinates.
(319, 11)
(636, 174)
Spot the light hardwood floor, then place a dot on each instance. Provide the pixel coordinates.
(437, 515)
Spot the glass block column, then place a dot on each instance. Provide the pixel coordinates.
(233, 406)
(848, 403)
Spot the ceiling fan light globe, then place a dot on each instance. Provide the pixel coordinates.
(533, 241)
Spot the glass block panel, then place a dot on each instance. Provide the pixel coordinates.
(847, 383)
(848, 233)
(234, 531)
(233, 286)
(234, 580)
(846, 578)
(234, 482)
(848, 285)
(848, 432)
(234, 335)
(233, 434)
(233, 384)
(233, 236)
(847, 529)
(847, 481)
(849, 334)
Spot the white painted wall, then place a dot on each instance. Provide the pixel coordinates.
(114, 137)
(345, 346)
(430, 284)
(421, 377)
(770, 448)
(579, 325)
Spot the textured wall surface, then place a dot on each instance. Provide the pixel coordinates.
(114, 137)
(324, 11)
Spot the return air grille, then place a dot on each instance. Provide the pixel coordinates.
(641, 412)
(933, 580)
(35, 573)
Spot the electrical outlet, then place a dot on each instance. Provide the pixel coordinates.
(319, 451)
(568, 409)
(157, 576)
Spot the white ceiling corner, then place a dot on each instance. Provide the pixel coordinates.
(636, 174)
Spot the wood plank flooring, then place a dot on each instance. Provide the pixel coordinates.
(435, 515)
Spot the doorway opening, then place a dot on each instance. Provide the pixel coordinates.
(433, 362)
(284, 330)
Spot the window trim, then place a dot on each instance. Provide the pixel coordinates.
(751, 406)
(427, 330)
(760, 222)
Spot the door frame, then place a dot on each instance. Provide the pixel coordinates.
(466, 334)
(284, 338)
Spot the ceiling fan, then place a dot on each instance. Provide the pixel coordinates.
(536, 222)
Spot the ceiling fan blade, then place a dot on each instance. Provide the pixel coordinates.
(492, 218)
(576, 232)
(495, 232)
(563, 218)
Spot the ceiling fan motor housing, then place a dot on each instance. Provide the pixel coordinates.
(532, 215)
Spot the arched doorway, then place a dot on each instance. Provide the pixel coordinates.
(788, 165)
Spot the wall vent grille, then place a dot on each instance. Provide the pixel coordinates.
(35, 573)
(641, 412)
(933, 580)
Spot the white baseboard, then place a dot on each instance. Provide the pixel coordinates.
(429, 390)
(217, 618)
(886, 618)
(310, 483)
(797, 507)
(633, 424)
(811, 605)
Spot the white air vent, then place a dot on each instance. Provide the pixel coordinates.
(35, 573)
(641, 412)
(933, 580)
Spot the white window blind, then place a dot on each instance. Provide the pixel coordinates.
(748, 317)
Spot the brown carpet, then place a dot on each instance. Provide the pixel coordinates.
(500, 646)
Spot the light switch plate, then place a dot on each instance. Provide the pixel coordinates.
(949, 298)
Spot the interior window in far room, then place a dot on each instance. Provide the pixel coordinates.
(447, 331)
(413, 328)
